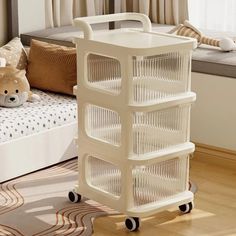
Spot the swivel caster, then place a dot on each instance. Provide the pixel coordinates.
(74, 197)
(186, 208)
(132, 223)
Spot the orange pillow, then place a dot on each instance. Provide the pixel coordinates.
(52, 67)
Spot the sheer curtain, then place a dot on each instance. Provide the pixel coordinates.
(62, 12)
(160, 11)
(213, 14)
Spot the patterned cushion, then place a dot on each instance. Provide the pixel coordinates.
(14, 54)
(52, 67)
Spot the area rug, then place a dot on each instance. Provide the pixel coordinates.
(37, 204)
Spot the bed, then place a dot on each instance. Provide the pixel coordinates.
(37, 135)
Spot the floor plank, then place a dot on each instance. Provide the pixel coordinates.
(214, 213)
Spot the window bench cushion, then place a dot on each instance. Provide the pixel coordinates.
(206, 59)
(214, 61)
(59, 35)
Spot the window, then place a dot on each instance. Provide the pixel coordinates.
(213, 14)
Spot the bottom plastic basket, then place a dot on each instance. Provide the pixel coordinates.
(150, 183)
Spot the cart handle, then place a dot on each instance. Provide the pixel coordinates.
(84, 22)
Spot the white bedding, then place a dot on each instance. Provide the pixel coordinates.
(51, 111)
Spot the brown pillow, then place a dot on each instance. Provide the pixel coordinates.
(52, 67)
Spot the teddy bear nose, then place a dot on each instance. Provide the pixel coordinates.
(12, 99)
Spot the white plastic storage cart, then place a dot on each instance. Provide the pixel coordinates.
(134, 104)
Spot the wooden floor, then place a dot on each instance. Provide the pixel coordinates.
(214, 213)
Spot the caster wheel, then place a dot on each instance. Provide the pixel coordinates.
(186, 208)
(132, 223)
(74, 197)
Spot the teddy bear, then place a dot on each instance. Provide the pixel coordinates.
(188, 30)
(14, 87)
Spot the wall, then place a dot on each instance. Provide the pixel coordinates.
(213, 118)
(3, 21)
(31, 15)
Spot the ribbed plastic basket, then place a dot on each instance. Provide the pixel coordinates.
(150, 183)
(153, 77)
(151, 131)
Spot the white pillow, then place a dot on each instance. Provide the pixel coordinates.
(14, 54)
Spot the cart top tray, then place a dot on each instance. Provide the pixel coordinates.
(134, 38)
(131, 38)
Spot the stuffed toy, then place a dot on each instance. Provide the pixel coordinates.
(14, 88)
(188, 30)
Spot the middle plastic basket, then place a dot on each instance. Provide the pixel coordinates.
(134, 103)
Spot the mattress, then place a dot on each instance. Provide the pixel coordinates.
(32, 117)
